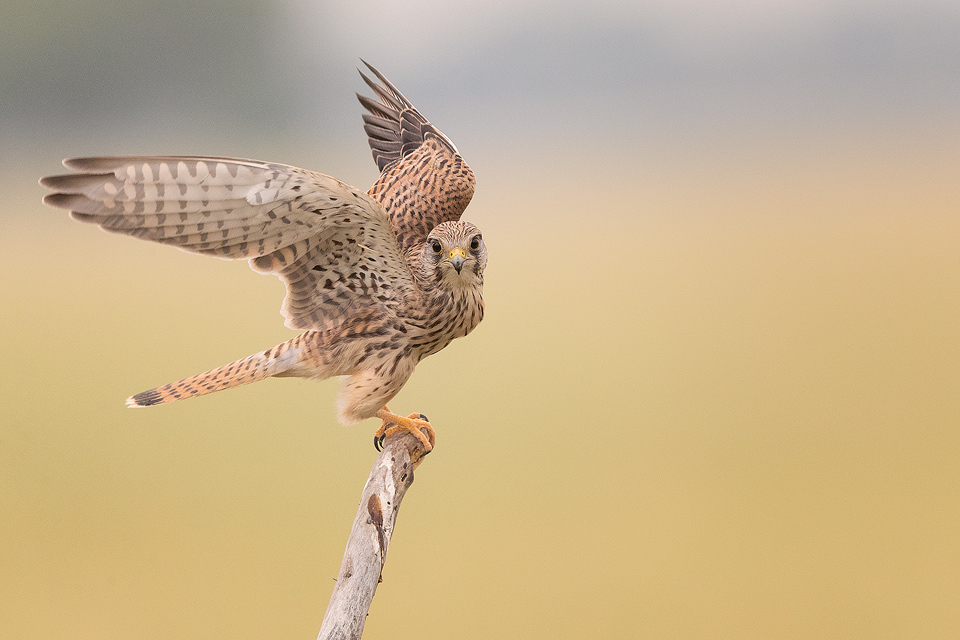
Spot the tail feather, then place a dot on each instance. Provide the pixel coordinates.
(278, 360)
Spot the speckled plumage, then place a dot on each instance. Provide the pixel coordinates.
(377, 280)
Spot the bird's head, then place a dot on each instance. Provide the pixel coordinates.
(455, 254)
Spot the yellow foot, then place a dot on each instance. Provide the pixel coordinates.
(412, 423)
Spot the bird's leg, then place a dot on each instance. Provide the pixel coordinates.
(412, 423)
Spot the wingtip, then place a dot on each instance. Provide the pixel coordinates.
(76, 164)
(58, 200)
(368, 66)
(57, 181)
(388, 91)
(375, 72)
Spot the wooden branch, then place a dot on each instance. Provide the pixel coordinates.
(366, 551)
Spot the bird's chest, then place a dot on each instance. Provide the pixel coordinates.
(453, 317)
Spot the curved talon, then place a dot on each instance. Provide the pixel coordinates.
(412, 423)
(381, 433)
(424, 422)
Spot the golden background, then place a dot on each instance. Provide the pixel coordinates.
(715, 394)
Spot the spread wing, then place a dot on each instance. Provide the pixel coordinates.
(424, 180)
(331, 244)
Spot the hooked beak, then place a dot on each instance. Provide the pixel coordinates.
(457, 257)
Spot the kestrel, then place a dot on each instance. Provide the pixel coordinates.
(377, 281)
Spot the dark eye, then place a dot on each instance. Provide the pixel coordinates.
(475, 243)
(437, 247)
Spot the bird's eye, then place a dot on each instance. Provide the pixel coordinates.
(475, 243)
(437, 247)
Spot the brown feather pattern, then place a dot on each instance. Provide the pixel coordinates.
(377, 280)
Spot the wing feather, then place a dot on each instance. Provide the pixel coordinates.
(332, 245)
(394, 127)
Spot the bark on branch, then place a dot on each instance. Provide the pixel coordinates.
(366, 551)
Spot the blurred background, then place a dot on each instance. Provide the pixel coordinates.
(715, 393)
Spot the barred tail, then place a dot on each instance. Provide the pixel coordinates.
(278, 360)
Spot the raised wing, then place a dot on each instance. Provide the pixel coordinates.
(394, 127)
(423, 179)
(331, 244)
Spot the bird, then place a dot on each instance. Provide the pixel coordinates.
(376, 280)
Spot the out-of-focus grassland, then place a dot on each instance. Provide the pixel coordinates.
(706, 401)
